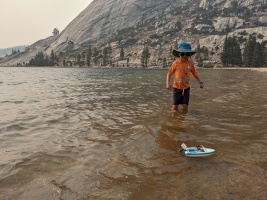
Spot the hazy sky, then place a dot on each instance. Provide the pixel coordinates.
(23, 22)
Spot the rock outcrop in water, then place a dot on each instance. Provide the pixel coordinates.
(133, 23)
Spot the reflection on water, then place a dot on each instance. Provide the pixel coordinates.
(109, 134)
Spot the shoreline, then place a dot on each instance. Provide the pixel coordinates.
(260, 69)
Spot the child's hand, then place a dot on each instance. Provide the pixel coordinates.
(201, 85)
(169, 87)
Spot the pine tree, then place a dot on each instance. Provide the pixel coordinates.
(40, 59)
(256, 55)
(246, 54)
(95, 55)
(264, 53)
(79, 59)
(89, 55)
(258, 59)
(238, 55)
(231, 44)
(52, 58)
(145, 56)
(164, 63)
(121, 53)
(224, 54)
(105, 56)
(55, 31)
(83, 56)
(198, 56)
(109, 54)
(128, 61)
(231, 53)
(248, 51)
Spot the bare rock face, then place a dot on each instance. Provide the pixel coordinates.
(103, 18)
(160, 21)
(227, 3)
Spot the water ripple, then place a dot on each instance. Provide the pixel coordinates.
(70, 133)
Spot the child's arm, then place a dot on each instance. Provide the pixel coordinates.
(168, 78)
(195, 74)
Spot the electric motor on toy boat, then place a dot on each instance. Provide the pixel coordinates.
(199, 151)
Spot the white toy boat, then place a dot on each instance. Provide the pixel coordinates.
(198, 151)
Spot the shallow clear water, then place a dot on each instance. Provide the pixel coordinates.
(68, 133)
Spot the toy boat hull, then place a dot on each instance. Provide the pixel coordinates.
(194, 152)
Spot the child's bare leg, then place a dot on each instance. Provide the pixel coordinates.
(185, 107)
(175, 108)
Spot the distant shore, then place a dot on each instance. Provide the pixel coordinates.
(260, 69)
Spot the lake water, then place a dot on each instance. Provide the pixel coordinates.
(73, 133)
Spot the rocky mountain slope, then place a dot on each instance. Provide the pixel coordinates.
(159, 24)
(8, 51)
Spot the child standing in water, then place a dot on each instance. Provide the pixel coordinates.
(181, 69)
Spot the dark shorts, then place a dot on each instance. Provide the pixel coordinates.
(180, 96)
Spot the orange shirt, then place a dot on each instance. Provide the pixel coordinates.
(182, 71)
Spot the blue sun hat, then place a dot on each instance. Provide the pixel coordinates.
(183, 47)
